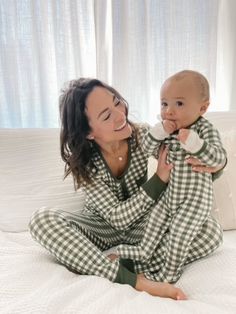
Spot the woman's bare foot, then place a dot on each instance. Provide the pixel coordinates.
(160, 289)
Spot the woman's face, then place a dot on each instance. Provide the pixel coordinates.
(106, 117)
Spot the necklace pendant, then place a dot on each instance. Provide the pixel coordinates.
(120, 158)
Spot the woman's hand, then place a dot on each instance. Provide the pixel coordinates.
(199, 167)
(163, 169)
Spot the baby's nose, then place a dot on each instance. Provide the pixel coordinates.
(169, 110)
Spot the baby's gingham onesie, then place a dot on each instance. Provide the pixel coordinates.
(180, 228)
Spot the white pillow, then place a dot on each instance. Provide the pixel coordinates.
(31, 176)
(224, 207)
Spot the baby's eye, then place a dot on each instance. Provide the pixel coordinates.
(164, 104)
(179, 103)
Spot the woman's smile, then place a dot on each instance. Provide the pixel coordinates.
(122, 126)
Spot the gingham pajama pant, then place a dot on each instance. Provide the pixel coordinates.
(77, 240)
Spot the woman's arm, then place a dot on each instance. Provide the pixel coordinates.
(163, 169)
(122, 214)
(198, 166)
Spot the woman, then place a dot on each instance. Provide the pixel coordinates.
(101, 149)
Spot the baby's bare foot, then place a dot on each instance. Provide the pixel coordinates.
(161, 289)
(112, 256)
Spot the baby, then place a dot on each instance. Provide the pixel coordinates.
(177, 224)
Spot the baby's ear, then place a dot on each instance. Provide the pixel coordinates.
(204, 107)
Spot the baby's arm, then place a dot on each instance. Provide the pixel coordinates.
(152, 141)
(207, 148)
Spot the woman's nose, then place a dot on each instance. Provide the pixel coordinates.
(119, 114)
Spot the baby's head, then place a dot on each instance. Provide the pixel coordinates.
(185, 97)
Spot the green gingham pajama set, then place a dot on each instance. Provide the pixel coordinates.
(180, 228)
(114, 213)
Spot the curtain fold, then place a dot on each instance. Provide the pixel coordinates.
(133, 45)
(225, 91)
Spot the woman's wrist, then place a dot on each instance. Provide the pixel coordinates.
(154, 186)
(162, 176)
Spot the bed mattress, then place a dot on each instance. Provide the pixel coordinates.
(31, 281)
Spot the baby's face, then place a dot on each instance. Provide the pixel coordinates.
(181, 102)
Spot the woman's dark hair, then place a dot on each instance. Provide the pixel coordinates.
(76, 149)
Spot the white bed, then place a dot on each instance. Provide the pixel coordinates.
(31, 281)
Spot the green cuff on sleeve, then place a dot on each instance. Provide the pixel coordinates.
(202, 149)
(127, 263)
(124, 276)
(154, 187)
(217, 174)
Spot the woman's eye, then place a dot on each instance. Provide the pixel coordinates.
(117, 102)
(107, 117)
(179, 103)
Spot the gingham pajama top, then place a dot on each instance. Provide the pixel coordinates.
(185, 206)
(122, 201)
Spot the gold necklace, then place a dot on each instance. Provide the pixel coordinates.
(119, 157)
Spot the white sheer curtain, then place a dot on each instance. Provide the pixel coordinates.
(131, 44)
(225, 88)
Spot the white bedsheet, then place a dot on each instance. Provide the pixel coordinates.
(32, 282)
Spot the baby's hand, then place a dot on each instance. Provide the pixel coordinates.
(183, 135)
(169, 126)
